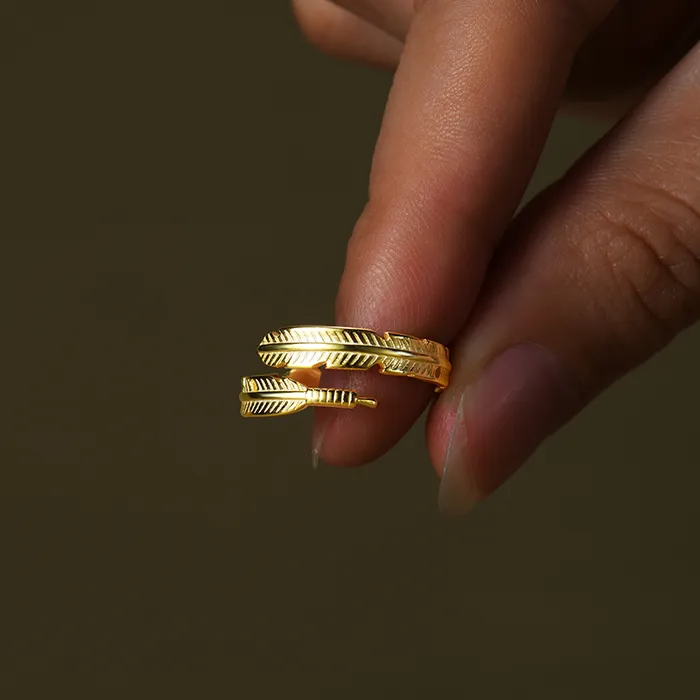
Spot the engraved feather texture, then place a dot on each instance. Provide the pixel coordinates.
(356, 349)
(272, 395)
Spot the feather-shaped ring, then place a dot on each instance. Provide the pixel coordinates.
(304, 350)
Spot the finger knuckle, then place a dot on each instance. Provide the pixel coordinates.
(650, 240)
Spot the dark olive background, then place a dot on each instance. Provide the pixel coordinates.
(177, 180)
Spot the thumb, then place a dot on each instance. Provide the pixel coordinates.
(598, 274)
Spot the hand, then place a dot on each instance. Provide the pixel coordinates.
(544, 311)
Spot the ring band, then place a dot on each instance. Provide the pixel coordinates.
(331, 347)
(312, 348)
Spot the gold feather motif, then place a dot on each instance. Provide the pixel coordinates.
(302, 347)
(272, 395)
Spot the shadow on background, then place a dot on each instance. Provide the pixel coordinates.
(161, 163)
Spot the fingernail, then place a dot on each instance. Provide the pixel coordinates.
(323, 418)
(319, 434)
(458, 495)
(521, 397)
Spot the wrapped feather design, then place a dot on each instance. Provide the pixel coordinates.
(356, 349)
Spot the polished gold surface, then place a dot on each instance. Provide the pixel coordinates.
(304, 350)
(272, 395)
(331, 347)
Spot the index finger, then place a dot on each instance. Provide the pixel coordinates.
(472, 103)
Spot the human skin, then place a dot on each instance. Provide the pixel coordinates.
(545, 310)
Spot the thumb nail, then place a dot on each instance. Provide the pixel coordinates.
(521, 397)
(317, 438)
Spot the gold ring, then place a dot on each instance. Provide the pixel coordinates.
(304, 350)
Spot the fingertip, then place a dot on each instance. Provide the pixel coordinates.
(353, 438)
